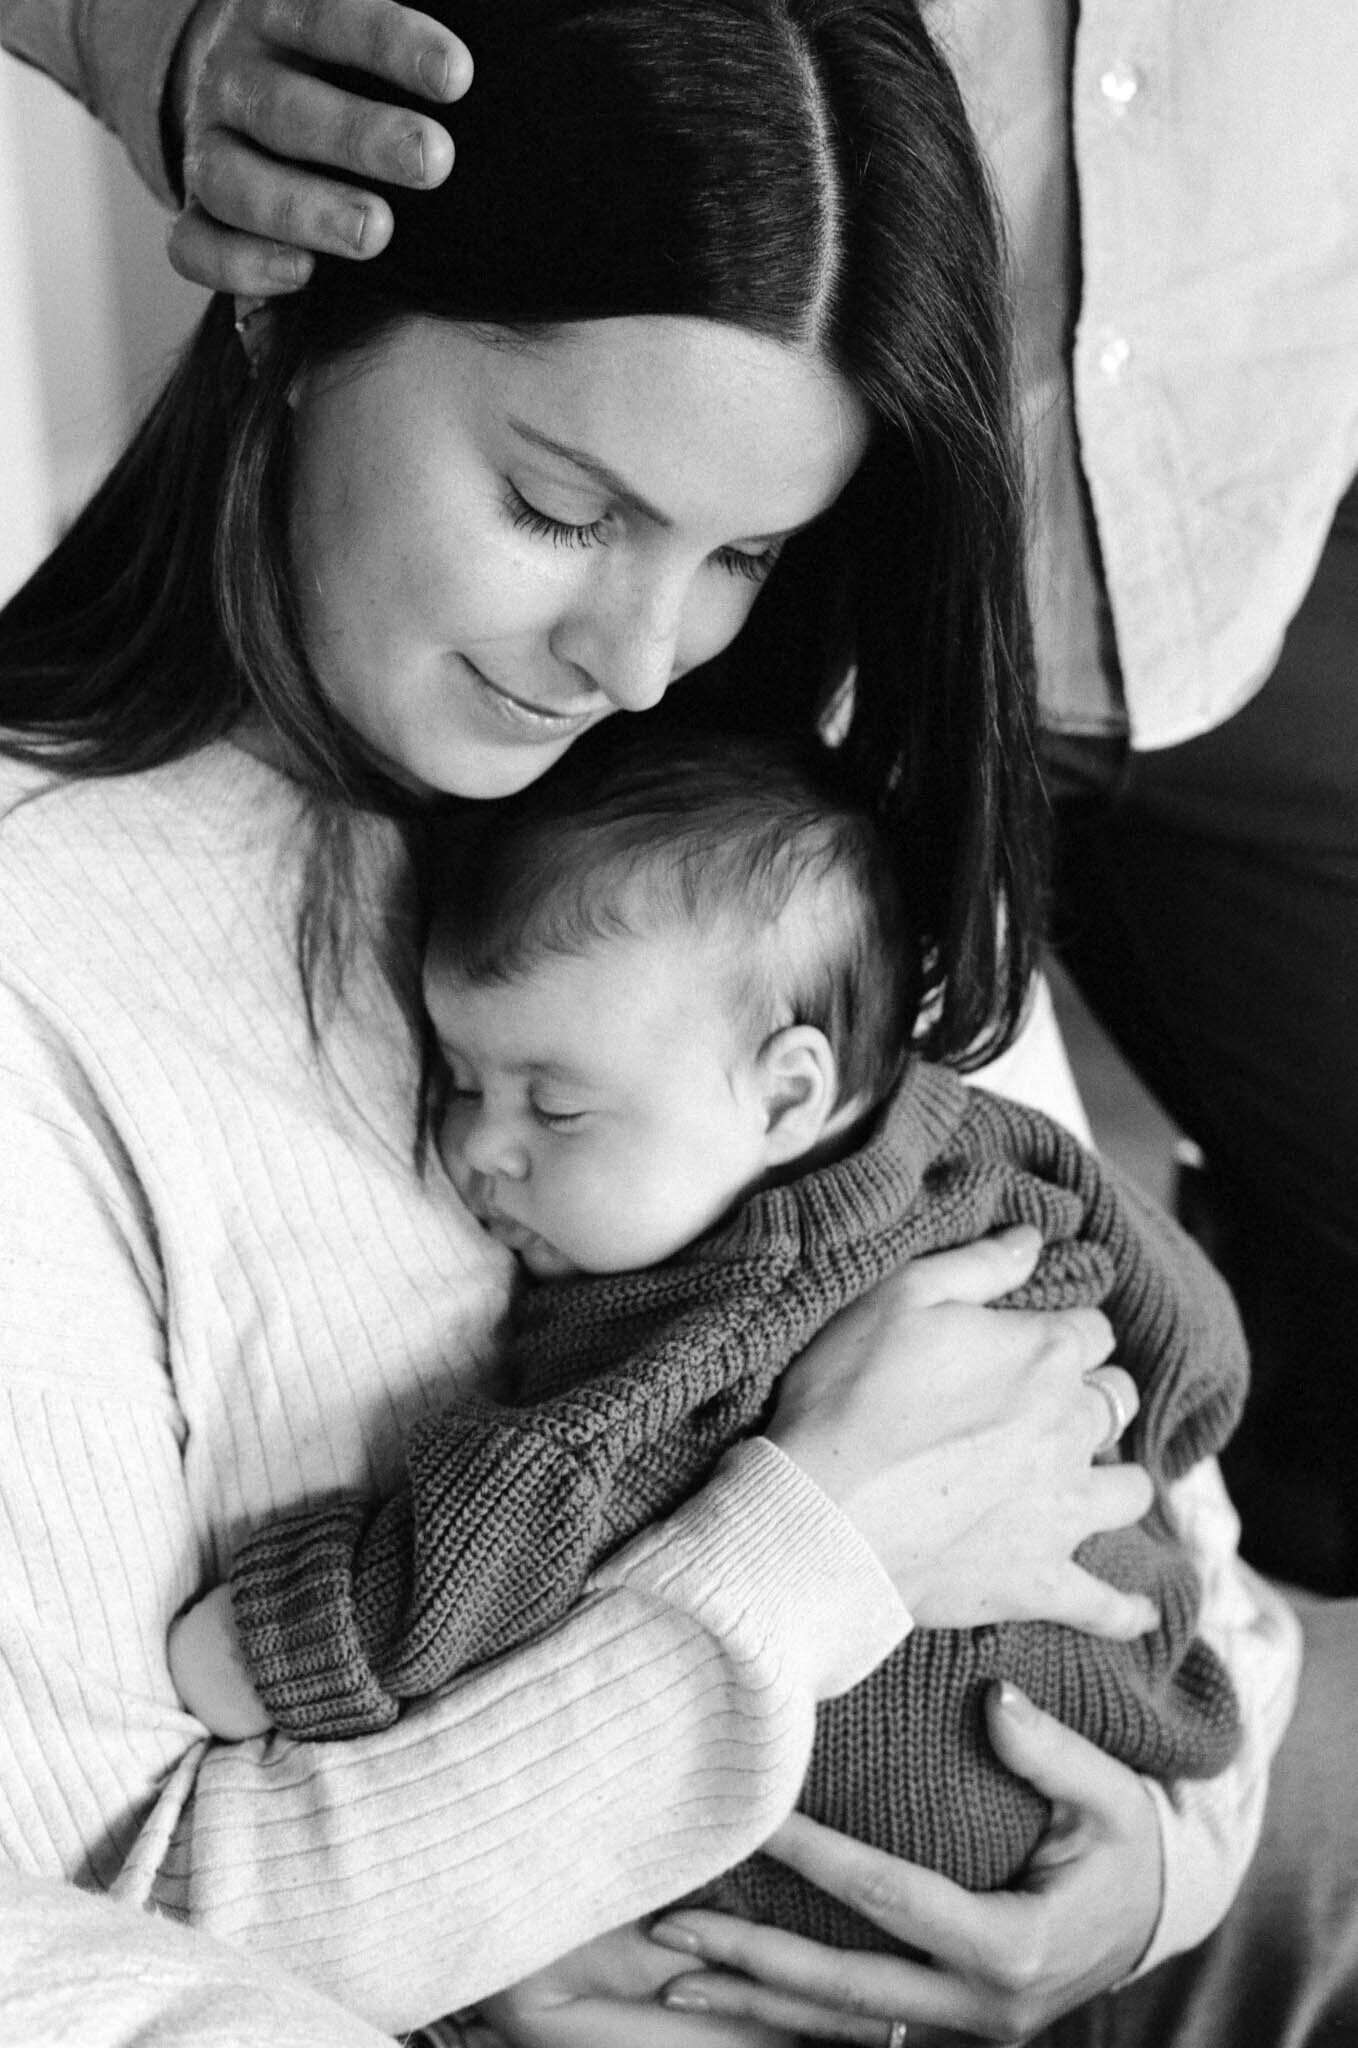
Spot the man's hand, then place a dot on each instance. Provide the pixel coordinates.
(249, 114)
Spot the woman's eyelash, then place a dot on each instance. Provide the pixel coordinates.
(528, 519)
(754, 568)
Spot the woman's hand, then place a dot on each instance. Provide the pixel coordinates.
(604, 1996)
(246, 107)
(1003, 1965)
(959, 1439)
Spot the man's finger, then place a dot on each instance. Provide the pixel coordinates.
(398, 44)
(299, 118)
(241, 188)
(225, 260)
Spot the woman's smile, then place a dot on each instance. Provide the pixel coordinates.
(522, 717)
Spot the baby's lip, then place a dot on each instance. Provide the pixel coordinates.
(506, 1231)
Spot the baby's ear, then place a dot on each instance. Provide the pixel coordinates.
(798, 1082)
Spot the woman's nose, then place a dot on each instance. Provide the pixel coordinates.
(626, 642)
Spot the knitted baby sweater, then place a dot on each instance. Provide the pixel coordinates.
(226, 1294)
(632, 1386)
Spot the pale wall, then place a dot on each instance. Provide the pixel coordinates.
(89, 309)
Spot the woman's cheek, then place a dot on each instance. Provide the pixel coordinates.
(720, 619)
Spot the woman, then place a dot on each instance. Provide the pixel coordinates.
(686, 310)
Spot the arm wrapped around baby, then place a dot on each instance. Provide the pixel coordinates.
(628, 1389)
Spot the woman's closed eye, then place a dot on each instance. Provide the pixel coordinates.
(562, 533)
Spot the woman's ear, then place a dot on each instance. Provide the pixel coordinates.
(798, 1079)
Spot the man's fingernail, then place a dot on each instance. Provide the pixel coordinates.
(289, 267)
(356, 225)
(436, 72)
(410, 156)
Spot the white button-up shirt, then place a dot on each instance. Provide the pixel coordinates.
(1181, 184)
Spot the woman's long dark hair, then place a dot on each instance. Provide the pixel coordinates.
(800, 168)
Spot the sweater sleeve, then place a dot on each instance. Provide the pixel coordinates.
(650, 1739)
(114, 56)
(346, 1610)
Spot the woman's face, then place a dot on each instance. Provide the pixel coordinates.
(495, 544)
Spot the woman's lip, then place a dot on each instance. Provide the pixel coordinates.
(548, 714)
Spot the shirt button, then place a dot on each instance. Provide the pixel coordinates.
(1120, 85)
(1114, 355)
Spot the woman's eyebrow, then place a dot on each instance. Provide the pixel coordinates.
(615, 485)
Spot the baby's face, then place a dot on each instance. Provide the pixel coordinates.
(605, 1111)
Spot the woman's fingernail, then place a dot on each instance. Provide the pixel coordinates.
(682, 1998)
(674, 1934)
(1022, 1240)
(1015, 1702)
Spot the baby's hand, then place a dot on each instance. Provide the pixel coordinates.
(210, 1672)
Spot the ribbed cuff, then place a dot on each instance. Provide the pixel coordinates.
(762, 1555)
(292, 1596)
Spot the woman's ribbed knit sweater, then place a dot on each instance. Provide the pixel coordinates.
(223, 1294)
(632, 1385)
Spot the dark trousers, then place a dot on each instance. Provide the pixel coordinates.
(1206, 903)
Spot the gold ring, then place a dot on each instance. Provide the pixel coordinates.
(896, 2038)
(1119, 1414)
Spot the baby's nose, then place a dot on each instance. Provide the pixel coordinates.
(491, 1152)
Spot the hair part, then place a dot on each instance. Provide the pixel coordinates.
(646, 830)
(802, 169)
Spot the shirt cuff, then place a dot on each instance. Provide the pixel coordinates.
(1209, 1828)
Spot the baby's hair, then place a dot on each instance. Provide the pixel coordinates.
(645, 828)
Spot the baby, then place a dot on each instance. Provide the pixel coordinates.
(675, 985)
